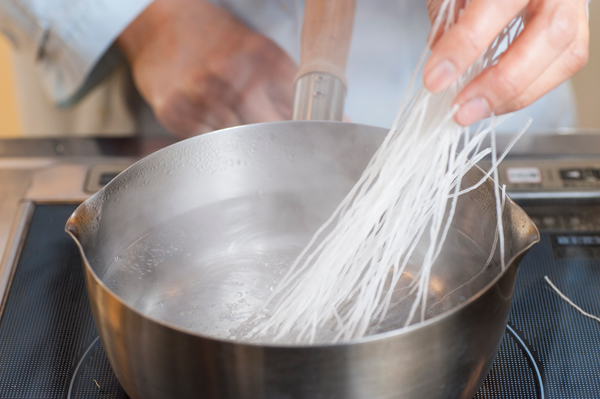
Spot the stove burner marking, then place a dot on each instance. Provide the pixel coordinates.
(79, 365)
(541, 385)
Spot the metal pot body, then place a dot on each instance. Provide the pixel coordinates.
(446, 356)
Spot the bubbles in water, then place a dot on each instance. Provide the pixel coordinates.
(210, 269)
(204, 258)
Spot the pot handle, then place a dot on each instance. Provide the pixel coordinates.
(321, 84)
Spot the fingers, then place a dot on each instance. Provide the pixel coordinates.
(267, 96)
(188, 122)
(478, 26)
(208, 120)
(570, 62)
(211, 104)
(257, 107)
(189, 114)
(186, 117)
(553, 28)
(200, 129)
(276, 80)
(281, 88)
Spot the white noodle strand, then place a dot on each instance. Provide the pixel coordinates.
(386, 235)
(570, 302)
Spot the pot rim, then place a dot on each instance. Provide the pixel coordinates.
(71, 229)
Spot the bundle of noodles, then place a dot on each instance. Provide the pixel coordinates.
(341, 286)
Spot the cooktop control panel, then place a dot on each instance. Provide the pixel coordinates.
(549, 175)
(100, 175)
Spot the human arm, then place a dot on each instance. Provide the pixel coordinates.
(202, 69)
(552, 47)
(66, 39)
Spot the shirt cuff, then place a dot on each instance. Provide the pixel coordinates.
(78, 38)
(22, 27)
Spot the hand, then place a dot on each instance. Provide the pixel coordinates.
(552, 47)
(201, 69)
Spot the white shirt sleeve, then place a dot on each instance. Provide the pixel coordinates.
(66, 38)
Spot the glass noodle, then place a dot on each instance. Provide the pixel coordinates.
(343, 282)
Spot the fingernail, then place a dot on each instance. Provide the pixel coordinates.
(441, 76)
(475, 110)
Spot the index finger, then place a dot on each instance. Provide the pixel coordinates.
(477, 27)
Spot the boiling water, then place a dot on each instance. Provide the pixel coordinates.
(208, 270)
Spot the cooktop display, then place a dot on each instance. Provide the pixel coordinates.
(49, 347)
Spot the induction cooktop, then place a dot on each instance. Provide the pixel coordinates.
(49, 346)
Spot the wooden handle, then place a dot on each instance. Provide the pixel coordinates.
(326, 34)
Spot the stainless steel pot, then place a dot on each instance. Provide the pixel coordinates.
(447, 356)
(260, 190)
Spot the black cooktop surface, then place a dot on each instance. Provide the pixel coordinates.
(49, 347)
